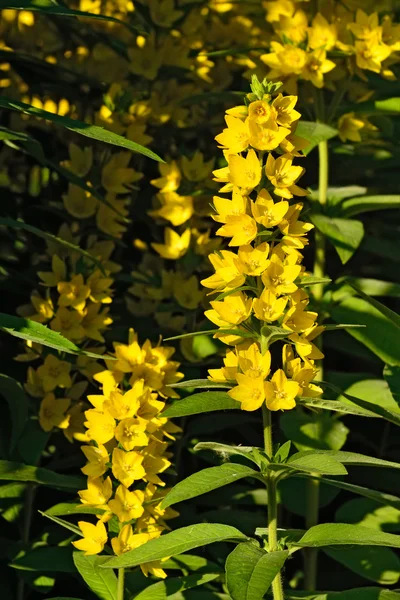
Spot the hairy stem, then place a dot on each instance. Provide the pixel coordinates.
(121, 584)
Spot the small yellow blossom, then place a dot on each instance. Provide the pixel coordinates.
(94, 538)
(283, 176)
(268, 307)
(54, 373)
(52, 412)
(175, 245)
(127, 505)
(249, 391)
(280, 393)
(101, 426)
(245, 172)
(130, 433)
(98, 492)
(253, 261)
(68, 323)
(233, 309)
(98, 459)
(127, 466)
(267, 212)
(73, 293)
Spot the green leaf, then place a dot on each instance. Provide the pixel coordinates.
(85, 129)
(272, 334)
(251, 570)
(362, 511)
(62, 523)
(381, 565)
(355, 206)
(192, 562)
(177, 542)
(335, 406)
(101, 582)
(312, 462)
(380, 497)
(366, 593)
(389, 105)
(390, 314)
(14, 394)
(68, 508)
(48, 559)
(51, 238)
(314, 133)
(315, 430)
(344, 234)
(207, 480)
(372, 287)
(227, 450)
(201, 403)
(165, 589)
(338, 534)
(380, 401)
(201, 383)
(360, 460)
(381, 333)
(312, 280)
(36, 332)
(392, 378)
(13, 471)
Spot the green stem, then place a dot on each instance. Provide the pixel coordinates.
(121, 584)
(277, 589)
(319, 264)
(311, 554)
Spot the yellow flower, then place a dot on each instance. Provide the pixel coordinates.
(227, 208)
(68, 323)
(98, 459)
(196, 168)
(81, 159)
(235, 138)
(322, 34)
(242, 229)
(249, 391)
(94, 537)
(280, 393)
(116, 177)
(175, 245)
(76, 430)
(186, 292)
(298, 320)
(99, 287)
(174, 208)
(124, 406)
(349, 127)
(245, 172)
(146, 58)
(263, 138)
(95, 321)
(58, 272)
(365, 26)
(316, 66)
(107, 220)
(170, 179)
(127, 466)
(54, 373)
(228, 371)
(227, 272)
(284, 60)
(262, 113)
(79, 203)
(233, 309)
(130, 433)
(163, 13)
(268, 307)
(279, 278)
(52, 412)
(127, 540)
(284, 109)
(98, 491)
(100, 425)
(267, 212)
(73, 293)
(370, 54)
(127, 505)
(252, 362)
(283, 176)
(253, 261)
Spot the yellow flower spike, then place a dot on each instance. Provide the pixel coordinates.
(245, 172)
(265, 139)
(268, 307)
(316, 66)
(228, 371)
(242, 229)
(227, 272)
(94, 538)
(98, 492)
(298, 320)
(249, 391)
(100, 425)
(234, 308)
(235, 138)
(130, 433)
(284, 110)
(267, 212)
(127, 505)
(54, 373)
(175, 245)
(124, 406)
(252, 362)
(127, 466)
(253, 261)
(52, 412)
(279, 278)
(280, 393)
(98, 458)
(283, 176)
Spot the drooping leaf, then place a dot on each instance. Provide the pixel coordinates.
(377, 404)
(360, 460)
(314, 133)
(312, 280)
(176, 542)
(67, 508)
(92, 131)
(171, 586)
(207, 480)
(13, 471)
(355, 206)
(225, 450)
(344, 234)
(251, 570)
(62, 523)
(103, 582)
(340, 534)
(380, 497)
(49, 559)
(336, 406)
(380, 565)
(200, 384)
(201, 403)
(36, 332)
(14, 394)
(312, 462)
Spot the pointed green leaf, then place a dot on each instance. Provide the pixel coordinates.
(92, 131)
(177, 542)
(103, 582)
(207, 480)
(69, 508)
(344, 234)
(201, 403)
(13, 471)
(250, 571)
(381, 565)
(335, 406)
(312, 280)
(310, 461)
(227, 450)
(355, 206)
(49, 559)
(313, 430)
(164, 589)
(63, 523)
(14, 394)
(200, 384)
(314, 133)
(380, 497)
(360, 460)
(338, 534)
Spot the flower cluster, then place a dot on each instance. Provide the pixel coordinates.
(128, 450)
(261, 286)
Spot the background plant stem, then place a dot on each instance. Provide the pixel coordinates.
(121, 584)
(311, 554)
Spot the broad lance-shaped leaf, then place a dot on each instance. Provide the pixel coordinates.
(177, 542)
(36, 332)
(344, 234)
(102, 582)
(314, 133)
(91, 131)
(311, 462)
(207, 480)
(201, 403)
(14, 394)
(173, 585)
(51, 238)
(201, 384)
(355, 206)
(381, 565)
(312, 280)
(360, 460)
(250, 571)
(335, 406)
(13, 471)
(70, 508)
(49, 559)
(226, 450)
(338, 534)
